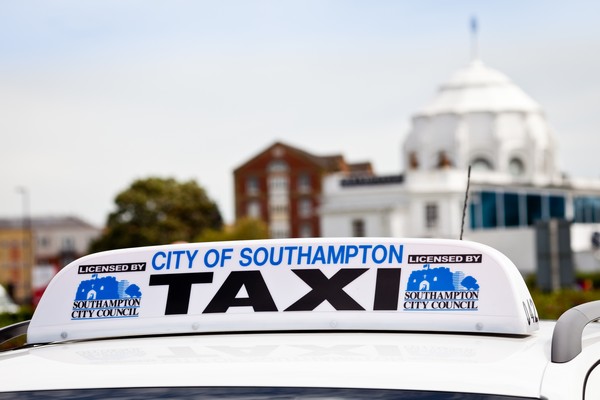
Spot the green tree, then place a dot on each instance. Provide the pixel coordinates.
(158, 211)
(244, 229)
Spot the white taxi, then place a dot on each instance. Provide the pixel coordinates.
(300, 318)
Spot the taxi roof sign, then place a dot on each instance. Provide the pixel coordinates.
(291, 284)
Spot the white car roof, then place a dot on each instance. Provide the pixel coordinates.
(410, 314)
(442, 362)
(464, 363)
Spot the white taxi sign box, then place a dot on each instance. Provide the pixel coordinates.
(286, 285)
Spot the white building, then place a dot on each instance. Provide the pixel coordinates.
(479, 118)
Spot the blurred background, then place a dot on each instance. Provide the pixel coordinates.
(111, 107)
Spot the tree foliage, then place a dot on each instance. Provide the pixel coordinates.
(156, 211)
(244, 229)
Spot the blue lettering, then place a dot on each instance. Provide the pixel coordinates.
(208, 262)
(225, 255)
(272, 258)
(333, 257)
(397, 254)
(364, 248)
(265, 257)
(191, 257)
(178, 254)
(291, 253)
(383, 250)
(246, 259)
(155, 265)
(319, 255)
(351, 252)
(306, 255)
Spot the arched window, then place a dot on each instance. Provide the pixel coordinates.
(278, 166)
(481, 164)
(444, 160)
(516, 167)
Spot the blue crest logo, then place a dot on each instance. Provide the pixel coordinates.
(440, 289)
(440, 279)
(106, 288)
(106, 297)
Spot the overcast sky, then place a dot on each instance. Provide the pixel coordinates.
(96, 94)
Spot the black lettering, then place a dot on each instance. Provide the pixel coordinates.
(258, 298)
(180, 287)
(327, 289)
(387, 289)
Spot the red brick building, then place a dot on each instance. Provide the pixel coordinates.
(281, 186)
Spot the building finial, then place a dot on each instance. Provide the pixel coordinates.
(474, 42)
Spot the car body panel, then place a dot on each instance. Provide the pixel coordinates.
(356, 313)
(425, 361)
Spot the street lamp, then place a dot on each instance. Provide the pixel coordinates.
(24, 281)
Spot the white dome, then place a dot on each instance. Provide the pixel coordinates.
(480, 118)
(478, 88)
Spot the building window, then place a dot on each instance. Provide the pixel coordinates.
(516, 167)
(44, 241)
(587, 209)
(431, 215)
(304, 183)
(557, 206)
(491, 209)
(278, 182)
(279, 209)
(481, 164)
(279, 227)
(280, 233)
(511, 210)
(277, 166)
(444, 160)
(252, 185)
(534, 208)
(253, 210)
(305, 208)
(68, 244)
(358, 228)
(306, 231)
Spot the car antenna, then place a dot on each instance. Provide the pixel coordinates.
(462, 225)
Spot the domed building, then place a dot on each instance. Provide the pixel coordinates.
(480, 118)
(484, 133)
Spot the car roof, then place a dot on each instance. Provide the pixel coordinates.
(511, 365)
(381, 313)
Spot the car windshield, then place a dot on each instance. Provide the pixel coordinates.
(249, 393)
